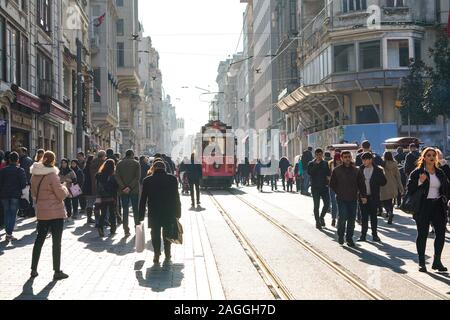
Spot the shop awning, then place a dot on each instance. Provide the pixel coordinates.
(60, 110)
(27, 99)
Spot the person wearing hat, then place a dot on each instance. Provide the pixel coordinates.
(160, 195)
(374, 179)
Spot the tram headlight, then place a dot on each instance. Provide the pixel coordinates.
(216, 166)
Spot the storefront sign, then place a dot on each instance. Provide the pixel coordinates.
(59, 111)
(21, 120)
(28, 100)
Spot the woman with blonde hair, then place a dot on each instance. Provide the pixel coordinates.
(432, 182)
(49, 195)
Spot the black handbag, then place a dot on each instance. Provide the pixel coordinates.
(175, 232)
(411, 202)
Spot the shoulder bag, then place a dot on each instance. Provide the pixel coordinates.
(411, 202)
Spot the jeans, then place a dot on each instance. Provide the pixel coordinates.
(194, 185)
(71, 205)
(432, 211)
(389, 206)
(83, 200)
(260, 182)
(56, 227)
(10, 207)
(283, 179)
(102, 210)
(369, 211)
(306, 182)
(298, 184)
(347, 217)
(334, 205)
(273, 182)
(134, 198)
(156, 241)
(317, 195)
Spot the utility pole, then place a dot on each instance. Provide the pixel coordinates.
(80, 129)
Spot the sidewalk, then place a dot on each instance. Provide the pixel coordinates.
(110, 268)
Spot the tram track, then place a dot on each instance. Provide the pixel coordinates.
(335, 266)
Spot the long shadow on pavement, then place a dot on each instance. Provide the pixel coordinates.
(28, 293)
(158, 278)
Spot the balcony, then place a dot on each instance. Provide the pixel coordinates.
(45, 88)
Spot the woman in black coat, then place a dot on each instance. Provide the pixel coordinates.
(87, 189)
(433, 183)
(160, 194)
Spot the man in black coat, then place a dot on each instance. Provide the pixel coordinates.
(194, 172)
(160, 195)
(307, 157)
(411, 159)
(367, 147)
(283, 166)
(375, 179)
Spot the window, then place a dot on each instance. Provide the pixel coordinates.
(44, 75)
(24, 63)
(44, 14)
(354, 5)
(370, 55)
(293, 16)
(120, 54)
(119, 3)
(366, 115)
(120, 27)
(417, 50)
(394, 3)
(344, 58)
(398, 53)
(12, 46)
(97, 84)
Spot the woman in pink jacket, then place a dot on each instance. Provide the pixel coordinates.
(48, 194)
(289, 177)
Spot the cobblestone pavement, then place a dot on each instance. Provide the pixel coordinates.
(110, 268)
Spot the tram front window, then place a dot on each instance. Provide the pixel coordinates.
(214, 147)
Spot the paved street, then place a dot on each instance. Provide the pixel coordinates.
(212, 264)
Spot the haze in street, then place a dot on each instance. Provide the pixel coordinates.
(192, 37)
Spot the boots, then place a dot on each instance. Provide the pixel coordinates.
(89, 216)
(422, 265)
(391, 218)
(126, 229)
(437, 264)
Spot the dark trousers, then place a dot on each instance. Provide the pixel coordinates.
(273, 182)
(260, 181)
(369, 211)
(347, 217)
(71, 205)
(101, 211)
(156, 240)
(82, 200)
(194, 185)
(298, 184)
(323, 194)
(389, 206)
(432, 212)
(43, 227)
(283, 179)
(290, 184)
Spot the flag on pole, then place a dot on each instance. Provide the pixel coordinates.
(99, 21)
(98, 93)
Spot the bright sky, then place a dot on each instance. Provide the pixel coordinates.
(192, 37)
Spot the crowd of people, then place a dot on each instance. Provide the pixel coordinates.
(104, 186)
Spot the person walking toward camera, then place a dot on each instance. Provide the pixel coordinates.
(68, 178)
(160, 195)
(194, 174)
(432, 182)
(393, 187)
(320, 174)
(48, 194)
(74, 165)
(12, 181)
(87, 189)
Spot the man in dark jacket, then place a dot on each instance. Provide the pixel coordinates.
(145, 167)
(160, 194)
(320, 177)
(194, 174)
(411, 159)
(12, 181)
(374, 179)
(26, 208)
(307, 157)
(283, 166)
(367, 147)
(347, 182)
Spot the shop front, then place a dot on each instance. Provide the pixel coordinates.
(21, 128)
(4, 128)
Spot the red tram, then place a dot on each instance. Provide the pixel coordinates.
(218, 155)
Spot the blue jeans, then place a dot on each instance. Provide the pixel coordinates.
(125, 199)
(306, 181)
(10, 208)
(347, 217)
(334, 206)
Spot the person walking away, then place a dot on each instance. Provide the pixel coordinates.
(328, 156)
(367, 147)
(87, 189)
(194, 174)
(246, 172)
(81, 157)
(107, 189)
(145, 167)
(27, 209)
(307, 157)
(333, 164)
(289, 177)
(68, 178)
(432, 181)
(273, 171)
(74, 165)
(128, 174)
(298, 172)
(393, 186)
(48, 194)
(400, 158)
(320, 175)
(374, 180)
(259, 176)
(411, 159)
(160, 195)
(39, 155)
(444, 166)
(12, 181)
(347, 182)
(283, 166)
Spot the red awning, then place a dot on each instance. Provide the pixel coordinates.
(57, 109)
(27, 99)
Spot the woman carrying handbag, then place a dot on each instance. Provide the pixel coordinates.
(48, 194)
(432, 183)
